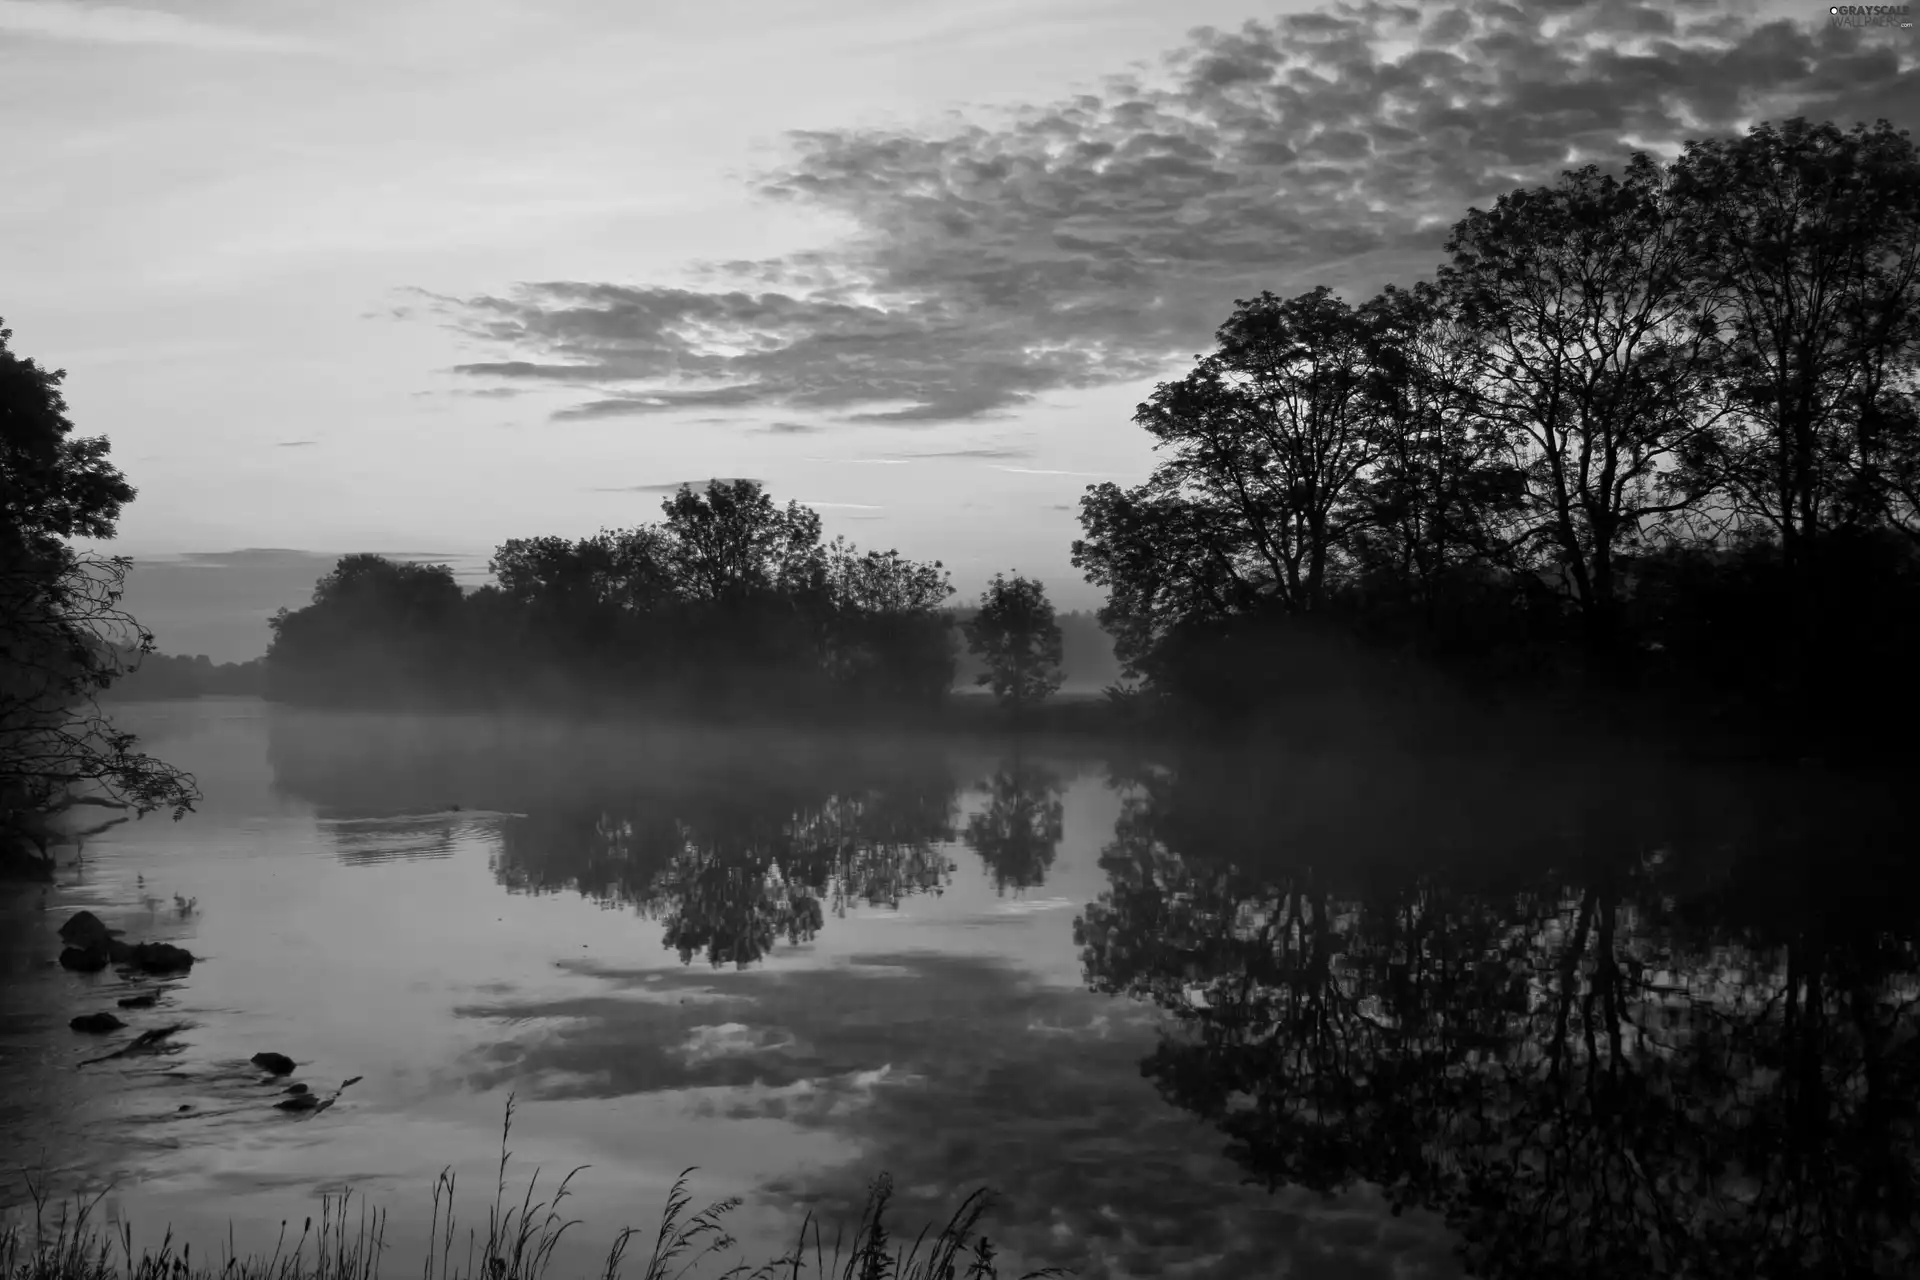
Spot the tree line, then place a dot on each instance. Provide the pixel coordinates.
(729, 604)
(156, 676)
(1654, 429)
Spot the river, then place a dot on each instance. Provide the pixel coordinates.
(797, 961)
(454, 909)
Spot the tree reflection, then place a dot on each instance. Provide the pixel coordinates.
(730, 872)
(733, 842)
(1018, 834)
(1625, 1044)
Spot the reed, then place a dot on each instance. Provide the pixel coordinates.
(69, 1242)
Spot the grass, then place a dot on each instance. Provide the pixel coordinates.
(519, 1244)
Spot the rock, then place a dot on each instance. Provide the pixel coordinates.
(303, 1102)
(139, 1002)
(91, 947)
(96, 1022)
(160, 957)
(81, 960)
(86, 932)
(278, 1063)
(296, 1088)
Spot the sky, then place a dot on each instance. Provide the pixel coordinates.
(418, 276)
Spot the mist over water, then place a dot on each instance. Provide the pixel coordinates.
(797, 960)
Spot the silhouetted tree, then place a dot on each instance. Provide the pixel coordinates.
(63, 636)
(888, 641)
(1440, 495)
(1587, 301)
(1017, 636)
(377, 632)
(1618, 382)
(1809, 244)
(731, 603)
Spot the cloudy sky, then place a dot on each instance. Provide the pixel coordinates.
(422, 275)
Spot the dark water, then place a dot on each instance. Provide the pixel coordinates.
(1605, 1014)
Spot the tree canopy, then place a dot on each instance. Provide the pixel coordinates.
(1627, 400)
(1015, 633)
(63, 636)
(729, 602)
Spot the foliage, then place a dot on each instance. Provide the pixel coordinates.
(63, 636)
(1808, 243)
(1016, 634)
(160, 675)
(729, 602)
(1612, 376)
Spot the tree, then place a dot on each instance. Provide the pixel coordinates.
(1809, 242)
(1166, 564)
(887, 638)
(1268, 434)
(62, 633)
(732, 543)
(376, 630)
(1016, 634)
(1439, 494)
(1585, 298)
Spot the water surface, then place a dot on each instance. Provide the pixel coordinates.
(1311, 1013)
(792, 960)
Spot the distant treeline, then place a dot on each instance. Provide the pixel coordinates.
(1648, 441)
(731, 603)
(159, 675)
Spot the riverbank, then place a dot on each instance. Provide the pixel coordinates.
(521, 1237)
(1403, 707)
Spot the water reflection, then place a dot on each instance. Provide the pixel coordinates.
(730, 873)
(1018, 834)
(1646, 1027)
(732, 853)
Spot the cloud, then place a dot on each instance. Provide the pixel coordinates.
(123, 24)
(296, 444)
(1048, 471)
(652, 403)
(840, 506)
(1006, 452)
(791, 429)
(1101, 238)
(675, 486)
(907, 458)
